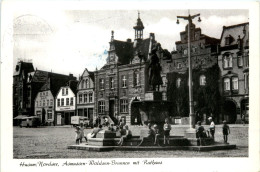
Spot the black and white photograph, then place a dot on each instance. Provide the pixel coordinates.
(137, 85)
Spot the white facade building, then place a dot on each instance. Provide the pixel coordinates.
(65, 105)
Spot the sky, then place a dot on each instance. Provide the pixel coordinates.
(68, 41)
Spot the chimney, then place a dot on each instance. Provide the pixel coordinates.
(152, 36)
(129, 40)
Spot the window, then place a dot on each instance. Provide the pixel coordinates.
(179, 65)
(87, 83)
(80, 98)
(202, 80)
(58, 102)
(101, 106)
(82, 84)
(235, 83)
(178, 82)
(71, 101)
(124, 105)
(67, 101)
(51, 102)
(62, 102)
(101, 83)
(48, 102)
(46, 93)
(246, 78)
(136, 79)
(49, 113)
(239, 61)
(164, 79)
(228, 40)
(62, 91)
(111, 80)
(226, 84)
(124, 81)
(185, 52)
(85, 98)
(90, 98)
(227, 61)
(36, 103)
(67, 90)
(43, 103)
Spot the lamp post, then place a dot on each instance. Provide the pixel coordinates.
(191, 102)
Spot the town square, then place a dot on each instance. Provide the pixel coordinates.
(112, 87)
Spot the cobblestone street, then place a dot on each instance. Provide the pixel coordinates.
(52, 142)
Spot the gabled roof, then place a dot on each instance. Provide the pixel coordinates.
(55, 81)
(73, 85)
(234, 31)
(124, 51)
(143, 47)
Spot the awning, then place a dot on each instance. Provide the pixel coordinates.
(21, 116)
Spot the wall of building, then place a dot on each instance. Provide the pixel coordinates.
(45, 107)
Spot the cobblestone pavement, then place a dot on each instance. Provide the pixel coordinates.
(52, 142)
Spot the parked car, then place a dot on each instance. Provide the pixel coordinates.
(32, 121)
(77, 120)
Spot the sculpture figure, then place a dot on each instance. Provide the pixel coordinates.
(154, 69)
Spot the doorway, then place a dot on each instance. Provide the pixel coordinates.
(112, 109)
(230, 114)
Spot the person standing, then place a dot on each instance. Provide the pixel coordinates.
(77, 135)
(211, 127)
(226, 131)
(167, 128)
(82, 134)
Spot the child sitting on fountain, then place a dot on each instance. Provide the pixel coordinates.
(167, 128)
(125, 137)
(157, 134)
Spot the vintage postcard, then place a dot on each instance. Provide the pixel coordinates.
(143, 85)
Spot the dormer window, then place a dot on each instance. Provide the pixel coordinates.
(228, 40)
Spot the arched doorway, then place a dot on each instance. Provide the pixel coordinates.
(230, 114)
(134, 111)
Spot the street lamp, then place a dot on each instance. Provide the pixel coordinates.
(191, 102)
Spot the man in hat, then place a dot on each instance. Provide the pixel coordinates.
(211, 127)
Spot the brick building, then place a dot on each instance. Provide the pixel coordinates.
(204, 56)
(123, 79)
(233, 61)
(20, 89)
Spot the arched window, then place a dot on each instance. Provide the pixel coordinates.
(202, 80)
(178, 82)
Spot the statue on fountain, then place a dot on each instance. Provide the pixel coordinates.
(154, 69)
